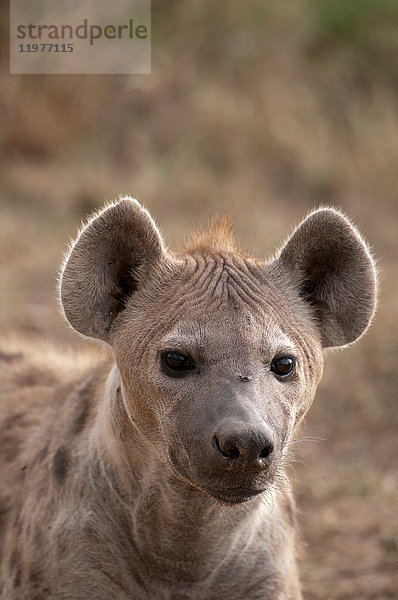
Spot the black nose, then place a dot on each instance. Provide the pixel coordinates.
(237, 446)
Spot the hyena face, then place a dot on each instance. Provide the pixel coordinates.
(221, 376)
(219, 354)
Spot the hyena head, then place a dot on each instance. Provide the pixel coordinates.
(219, 353)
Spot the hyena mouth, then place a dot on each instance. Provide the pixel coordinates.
(236, 495)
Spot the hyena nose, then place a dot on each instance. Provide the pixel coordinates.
(236, 446)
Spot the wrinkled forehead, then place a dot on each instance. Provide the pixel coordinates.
(222, 280)
(228, 299)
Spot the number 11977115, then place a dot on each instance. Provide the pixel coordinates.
(45, 47)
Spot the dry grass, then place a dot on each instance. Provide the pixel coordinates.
(269, 111)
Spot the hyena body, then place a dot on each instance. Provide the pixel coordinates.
(155, 471)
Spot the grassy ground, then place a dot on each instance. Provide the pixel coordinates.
(269, 110)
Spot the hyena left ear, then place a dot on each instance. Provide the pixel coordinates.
(334, 273)
(111, 259)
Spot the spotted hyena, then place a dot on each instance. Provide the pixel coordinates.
(152, 471)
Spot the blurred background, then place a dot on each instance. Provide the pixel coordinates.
(269, 109)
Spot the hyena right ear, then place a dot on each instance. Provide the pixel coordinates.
(107, 263)
(334, 273)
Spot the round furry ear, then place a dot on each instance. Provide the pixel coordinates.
(106, 264)
(335, 274)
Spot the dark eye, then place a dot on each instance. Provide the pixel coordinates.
(283, 365)
(175, 363)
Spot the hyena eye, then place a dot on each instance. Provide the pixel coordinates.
(174, 363)
(283, 366)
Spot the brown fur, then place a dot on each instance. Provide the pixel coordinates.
(117, 479)
(219, 237)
